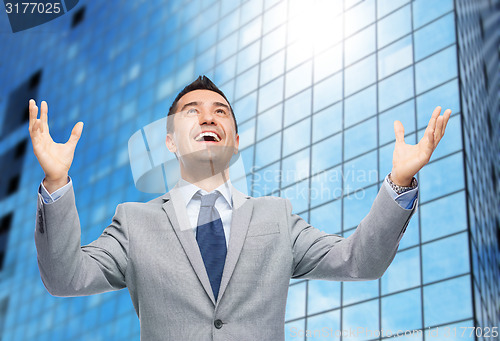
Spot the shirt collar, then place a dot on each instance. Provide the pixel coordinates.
(188, 190)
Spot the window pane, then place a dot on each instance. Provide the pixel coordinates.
(247, 157)
(326, 186)
(403, 273)
(298, 79)
(359, 291)
(395, 89)
(247, 133)
(394, 26)
(437, 222)
(225, 71)
(386, 6)
(327, 153)
(323, 326)
(298, 52)
(446, 96)
(441, 177)
(359, 16)
(275, 16)
(250, 32)
(294, 329)
(227, 47)
(365, 315)
(411, 236)
(270, 94)
(273, 42)
(357, 206)
(295, 168)
(269, 122)
(328, 91)
(395, 57)
(360, 106)
(360, 138)
(453, 332)
(326, 218)
(435, 36)
(360, 75)
(360, 45)
(298, 107)
(323, 295)
(360, 172)
(327, 122)
(436, 69)
(298, 195)
(447, 301)
(266, 180)
(425, 11)
(404, 113)
(402, 311)
(245, 107)
(247, 82)
(272, 67)
(248, 57)
(297, 136)
(445, 258)
(268, 150)
(328, 62)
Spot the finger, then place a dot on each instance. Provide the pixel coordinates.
(76, 133)
(439, 129)
(399, 131)
(446, 117)
(33, 112)
(433, 119)
(43, 114)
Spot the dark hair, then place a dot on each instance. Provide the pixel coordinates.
(201, 83)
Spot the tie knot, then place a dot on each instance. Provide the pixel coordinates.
(208, 200)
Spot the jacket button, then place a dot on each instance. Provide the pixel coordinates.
(218, 324)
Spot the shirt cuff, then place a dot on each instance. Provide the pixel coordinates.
(406, 199)
(50, 198)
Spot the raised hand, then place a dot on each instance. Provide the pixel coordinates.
(55, 158)
(408, 159)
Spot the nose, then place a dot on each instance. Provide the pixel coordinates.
(206, 117)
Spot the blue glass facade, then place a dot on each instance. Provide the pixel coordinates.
(315, 86)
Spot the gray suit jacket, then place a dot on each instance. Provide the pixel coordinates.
(148, 249)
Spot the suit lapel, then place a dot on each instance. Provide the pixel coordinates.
(177, 215)
(242, 212)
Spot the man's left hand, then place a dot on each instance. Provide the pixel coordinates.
(408, 159)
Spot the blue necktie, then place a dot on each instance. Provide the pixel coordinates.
(211, 240)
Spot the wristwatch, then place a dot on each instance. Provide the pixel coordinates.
(401, 189)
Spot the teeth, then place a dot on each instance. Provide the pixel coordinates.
(207, 133)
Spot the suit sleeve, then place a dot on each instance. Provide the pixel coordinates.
(66, 267)
(364, 255)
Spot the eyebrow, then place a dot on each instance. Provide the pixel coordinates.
(193, 104)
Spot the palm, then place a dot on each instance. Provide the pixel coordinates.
(407, 159)
(55, 158)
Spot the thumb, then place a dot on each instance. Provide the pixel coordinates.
(75, 134)
(399, 131)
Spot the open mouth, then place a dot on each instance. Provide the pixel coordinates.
(207, 136)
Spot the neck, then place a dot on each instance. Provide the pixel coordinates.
(207, 182)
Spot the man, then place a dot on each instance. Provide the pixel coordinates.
(204, 261)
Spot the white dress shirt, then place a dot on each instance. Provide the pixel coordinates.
(223, 204)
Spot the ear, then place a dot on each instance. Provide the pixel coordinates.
(237, 143)
(169, 141)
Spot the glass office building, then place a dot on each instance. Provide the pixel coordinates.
(316, 87)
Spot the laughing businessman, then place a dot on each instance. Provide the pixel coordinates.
(204, 261)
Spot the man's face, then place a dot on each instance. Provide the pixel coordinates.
(204, 129)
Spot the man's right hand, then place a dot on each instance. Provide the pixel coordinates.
(55, 158)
